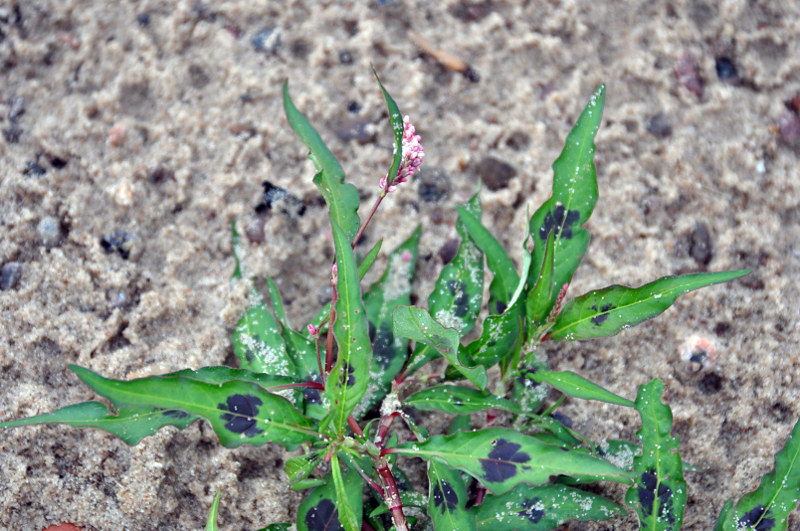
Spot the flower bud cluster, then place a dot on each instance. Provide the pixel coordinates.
(413, 153)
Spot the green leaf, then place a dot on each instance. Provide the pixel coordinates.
(529, 508)
(396, 122)
(606, 311)
(237, 270)
(417, 324)
(320, 510)
(505, 278)
(574, 385)
(342, 199)
(349, 378)
(458, 400)
(389, 353)
(538, 303)
(240, 412)
(277, 303)
(447, 499)
(277, 527)
(258, 344)
(502, 458)
(348, 496)
(211, 524)
(299, 467)
(768, 507)
(659, 493)
(131, 423)
(572, 202)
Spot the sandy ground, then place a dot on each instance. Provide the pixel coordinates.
(134, 134)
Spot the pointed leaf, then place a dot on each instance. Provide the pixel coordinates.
(572, 202)
(392, 290)
(349, 497)
(240, 412)
(502, 458)
(396, 122)
(529, 508)
(538, 304)
(458, 400)
(320, 510)
(418, 325)
(768, 507)
(237, 269)
(258, 344)
(505, 278)
(659, 494)
(301, 466)
(572, 384)
(349, 378)
(342, 199)
(606, 311)
(447, 499)
(211, 524)
(277, 303)
(131, 423)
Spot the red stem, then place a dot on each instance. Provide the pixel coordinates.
(391, 494)
(355, 427)
(329, 338)
(369, 218)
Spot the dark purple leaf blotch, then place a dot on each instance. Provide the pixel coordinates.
(599, 319)
(324, 516)
(756, 517)
(444, 497)
(533, 510)
(500, 464)
(560, 221)
(243, 409)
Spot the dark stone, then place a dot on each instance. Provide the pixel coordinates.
(722, 328)
(659, 125)
(281, 199)
(300, 48)
(57, 162)
(471, 75)
(143, 19)
(119, 242)
(434, 185)
(267, 40)
(34, 169)
(345, 57)
(470, 11)
(710, 384)
(12, 134)
(198, 77)
(10, 274)
(726, 69)
(518, 140)
(159, 174)
(789, 128)
(353, 107)
(700, 244)
(16, 109)
(358, 129)
(495, 173)
(49, 231)
(448, 251)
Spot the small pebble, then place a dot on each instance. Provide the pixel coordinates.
(448, 250)
(518, 140)
(12, 134)
(659, 125)
(353, 106)
(495, 173)
(726, 70)
(49, 230)
(254, 229)
(16, 109)
(688, 74)
(143, 19)
(434, 185)
(361, 130)
(700, 244)
(120, 242)
(345, 57)
(10, 274)
(280, 198)
(267, 40)
(789, 127)
(117, 134)
(57, 162)
(699, 352)
(34, 169)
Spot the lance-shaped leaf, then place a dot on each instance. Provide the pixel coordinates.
(768, 507)
(240, 412)
(529, 508)
(392, 290)
(363, 268)
(574, 385)
(396, 122)
(258, 343)
(659, 493)
(130, 423)
(320, 510)
(572, 202)
(418, 325)
(299, 467)
(503, 458)
(277, 303)
(349, 496)
(538, 303)
(237, 269)
(349, 378)
(458, 400)
(341, 198)
(505, 278)
(604, 312)
(447, 499)
(211, 525)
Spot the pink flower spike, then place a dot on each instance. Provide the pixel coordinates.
(313, 330)
(412, 155)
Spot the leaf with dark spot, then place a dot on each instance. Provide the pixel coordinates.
(502, 458)
(604, 312)
(243, 410)
(320, 511)
(323, 517)
(659, 494)
(768, 507)
(571, 204)
(575, 385)
(447, 498)
(530, 508)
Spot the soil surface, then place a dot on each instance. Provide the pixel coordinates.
(134, 132)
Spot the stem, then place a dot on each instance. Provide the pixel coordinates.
(355, 427)
(313, 385)
(391, 495)
(383, 427)
(329, 337)
(369, 218)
